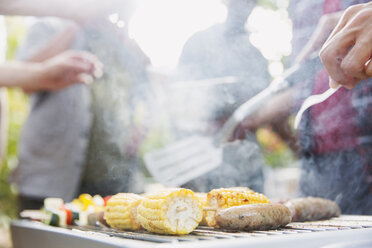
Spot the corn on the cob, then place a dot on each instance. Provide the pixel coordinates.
(202, 197)
(229, 197)
(121, 211)
(241, 189)
(172, 211)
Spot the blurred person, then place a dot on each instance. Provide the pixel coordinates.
(224, 50)
(334, 136)
(55, 129)
(55, 73)
(96, 151)
(347, 52)
(64, 9)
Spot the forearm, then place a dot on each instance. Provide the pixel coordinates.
(278, 107)
(35, 8)
(81, 11)
(19, 74)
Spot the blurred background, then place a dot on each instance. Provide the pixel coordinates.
(163, 41)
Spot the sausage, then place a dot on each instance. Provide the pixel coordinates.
(312, 208)
(254, 217)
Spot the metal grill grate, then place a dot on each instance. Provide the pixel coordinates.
(345, 229)
(346, 222)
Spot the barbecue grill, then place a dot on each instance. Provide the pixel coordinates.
(344, 231)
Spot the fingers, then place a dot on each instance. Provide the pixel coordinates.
(77, 67)
(85, 78)
(77, 72)
(368, 68)
(332, 83)
(83, 67)
(348, 14)
(354, 62)
(239, 133)
(346, 54)
(95, 66)
(332, 58)
(69, 68)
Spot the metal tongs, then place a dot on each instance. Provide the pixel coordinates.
(311, 101)
(292, 76)
(182, 161)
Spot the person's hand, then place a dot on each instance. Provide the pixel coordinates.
(347, 52)
(63, 70)
(248, 125)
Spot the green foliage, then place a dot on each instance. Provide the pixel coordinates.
(18, 109)
(18, 106)
(16, 32)
(279, 159)
(8, 208)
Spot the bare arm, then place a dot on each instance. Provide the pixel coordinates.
(81, 11)
(278, 107)
(53, 74)
(18, 74)
(275, 113)
(36, 8)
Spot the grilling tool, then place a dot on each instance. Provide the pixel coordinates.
(311, 101)
(184, 160)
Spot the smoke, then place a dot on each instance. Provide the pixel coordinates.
(219, 70)
(335, 150)
(242, 166)
(339, 177)
(112, 162)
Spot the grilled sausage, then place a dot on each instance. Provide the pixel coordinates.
(254, 217)
(312, 208)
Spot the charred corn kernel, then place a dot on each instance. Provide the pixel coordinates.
(121, 211)
(171, 211)
(229, 197)
(202, 197)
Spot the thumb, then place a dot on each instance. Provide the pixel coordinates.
(332, 83)
(368, 68)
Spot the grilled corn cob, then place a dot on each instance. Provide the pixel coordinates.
(229, 197)
(203, 200)
(172, 211)
(240, 189)
(121, 211)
